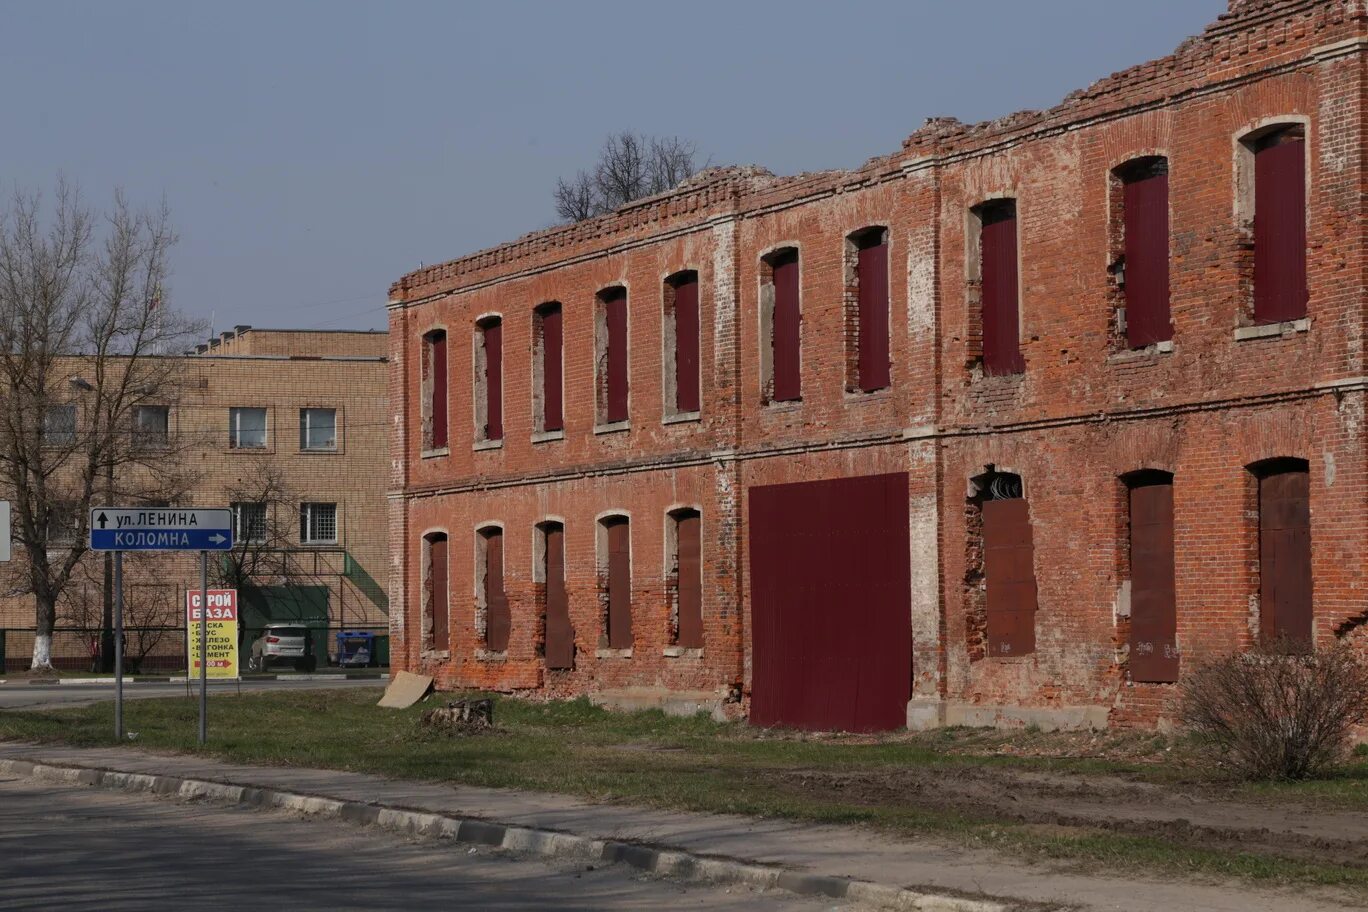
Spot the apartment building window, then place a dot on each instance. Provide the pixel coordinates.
(868, 365)
(1143, 271)
(1285, 608)
(494, 618)
(615, 581)
(318, 429)
(1153, 600)
(612, 355)
(318, 523)
(1278, 200)
(247, 428)
(59, 425)
(62, 523)
(686, 579)
(436, 589)
(435, 390)
(547, 342)
(249, 523)
(151, 426)
(488, 381)
(781, 327)
(681, 343)
(999, 306)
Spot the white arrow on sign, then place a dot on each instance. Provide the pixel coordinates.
(217, 539)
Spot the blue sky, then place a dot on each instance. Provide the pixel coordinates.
(311, 153)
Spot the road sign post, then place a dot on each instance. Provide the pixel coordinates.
(120, 529)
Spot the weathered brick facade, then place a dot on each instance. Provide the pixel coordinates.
(1086, 411)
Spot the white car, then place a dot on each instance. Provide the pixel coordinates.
(282, 643)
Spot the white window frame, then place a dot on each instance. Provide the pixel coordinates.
(308, 522)
(305, 428)
(235, 414)
(239, 536)
(146, 438)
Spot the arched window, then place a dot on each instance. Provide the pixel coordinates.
(781, 320)
(1000, 304)
(1153, 600)
(681, 343)
(559, 635)
(615, 581)
(867, 353)
(686, 578)
(435, 390)
(1143, 270)
(436, 601)
(547, 341)
(1285, 608)
(612, 355)
(493, 618)
(489, 379)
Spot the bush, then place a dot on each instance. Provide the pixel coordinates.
(1279, 712)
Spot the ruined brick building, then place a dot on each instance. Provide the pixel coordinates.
(1011, 425)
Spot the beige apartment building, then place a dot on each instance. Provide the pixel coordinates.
(288, 429)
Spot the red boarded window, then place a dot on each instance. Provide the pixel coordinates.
(1000, 297)
(688, 579)
(491, 352)
(614, 355)
(1145, 200)
(1009, 570)
(1154, 606)
(435, 379)
(683, 289)
(617, 583)
(560, 634)
(786, 328)
(548, 327)
(498, 621)
(435, 595)
(1280, 291)
(871, 276)
(1285, 550)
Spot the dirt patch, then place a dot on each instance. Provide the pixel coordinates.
(1078, 803)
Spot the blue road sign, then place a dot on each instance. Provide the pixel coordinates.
(158, 529)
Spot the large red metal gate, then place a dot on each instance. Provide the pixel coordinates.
(831, 631)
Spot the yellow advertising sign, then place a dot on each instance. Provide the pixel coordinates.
(222, 619)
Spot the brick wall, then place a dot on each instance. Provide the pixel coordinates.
(1085, 411)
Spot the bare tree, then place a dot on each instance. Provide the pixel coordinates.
(630, 166)
(152, 613)
(82, 322)
(263, 505)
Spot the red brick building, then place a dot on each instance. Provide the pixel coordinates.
(1075, 398)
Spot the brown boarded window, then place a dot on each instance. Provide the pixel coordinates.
(1009, 570)
(435, 593)
(787, 328)
(688, 579)
(1000, 294)
(560, 634)
(435, 377)
(1154, 606)
(489, 377)
(682, 295)
(871, 276)
(1285, 550)
(617, 582)
(548, 326)
(1280, 290)
(498, 621)
(1145, 201)
(613, 359)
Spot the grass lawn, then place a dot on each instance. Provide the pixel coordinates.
(650, 759)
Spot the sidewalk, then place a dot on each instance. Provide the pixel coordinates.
(804, 857)
(372, 675)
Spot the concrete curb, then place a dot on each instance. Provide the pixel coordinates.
(549, 843)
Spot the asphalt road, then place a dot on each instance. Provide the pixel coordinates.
(15, 695)
(71, 848)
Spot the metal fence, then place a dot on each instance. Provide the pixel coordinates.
(149, 650)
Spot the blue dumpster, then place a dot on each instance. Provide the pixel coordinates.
(355, 648)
